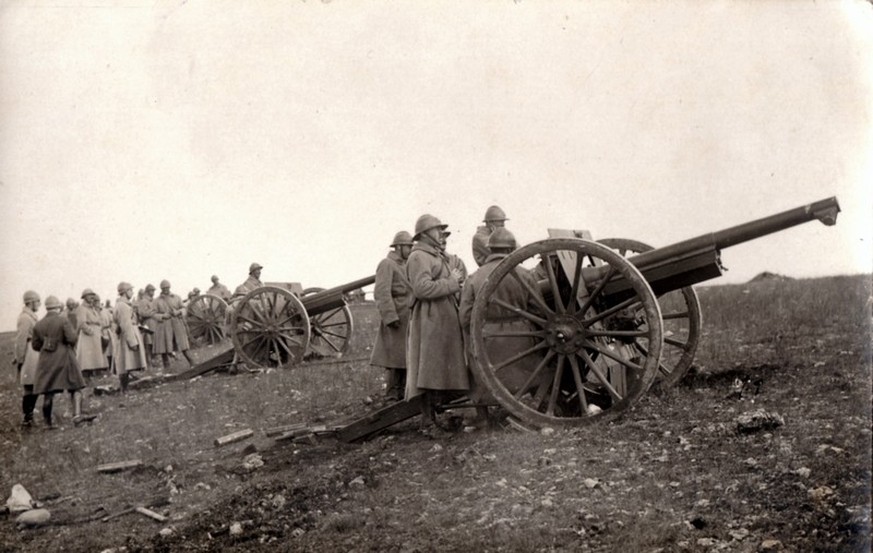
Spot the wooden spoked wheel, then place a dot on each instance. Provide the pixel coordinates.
(554, 329)
(206, 316)
(330, 332)
(270, 328)
(682, 320)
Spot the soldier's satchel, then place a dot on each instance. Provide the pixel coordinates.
(50, 344)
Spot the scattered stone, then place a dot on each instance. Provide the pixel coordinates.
(770, 545)
(252, 461)
(202, 486)
(803, 472)
(822, 494)
(166, 532)
(33, 518)
(755, 421)
(547, 502)
(297, 532)
(358, 481)
(706, 542)
(590, 483)
(739, 534)
(547, 431)
(278, 501)
(19, 500)
(436, 448)
(235, 529)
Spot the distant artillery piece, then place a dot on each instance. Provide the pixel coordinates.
(276, 325)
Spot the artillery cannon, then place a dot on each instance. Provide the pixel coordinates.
(591, 332)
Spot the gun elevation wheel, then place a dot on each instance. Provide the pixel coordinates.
(682, 320)
(330, 332)
(270, 328)
(206, 316)
(553, 331)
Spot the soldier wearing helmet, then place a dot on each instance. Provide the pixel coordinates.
(171, 334)
(253, 282)
(130, 349)
(435, 360)
(145, 312)
(391, 295)
(494, 218)
(25, 358)
(218, 289)
(511, 290)
(90, 350)
(57, 369)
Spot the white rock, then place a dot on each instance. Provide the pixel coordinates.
(359, 481)
(166, 532)
(590, 483)
(436, 447)
(33, 518)
(20, 500)
(770, 545)
(803, 472)
(547, 431)
(547, 502)
(236, 529)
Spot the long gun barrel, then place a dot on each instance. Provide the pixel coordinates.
(698, 259)
(332, 298)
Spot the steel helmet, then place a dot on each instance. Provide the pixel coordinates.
(30, 295)
(124, 286)
(85, 293)
(502, 238)
(494, 213)
(402, 238)
(165, 284)
(52, 302)
(254, 267)
(150, 287)
(425, 223)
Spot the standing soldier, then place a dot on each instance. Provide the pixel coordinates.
(25, 357)
(130, 351)
(171, 334)
(253, 282)
(390, 293)
(145, 311)
(109, 336)
(89, 351)
(70, 313)
(218, 289)
(57, 369)
(435, 346)
(494, 218)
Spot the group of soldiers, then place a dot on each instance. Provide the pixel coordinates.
(63, 350)
(425, 299)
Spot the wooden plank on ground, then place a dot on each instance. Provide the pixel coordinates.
(224, 356)
(379, 420)
(151, 514)
(120, 466)
(278, 430)
(235, 437)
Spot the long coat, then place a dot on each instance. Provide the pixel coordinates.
(481, 251)
(57, 369)
(145, 312)
(109, 331)
(171, 334)
(251, 284)
(219, 290)
(392, 298)
(435, 346)
(89, 350)
(126, 357)
(498, 319)
(24, 354)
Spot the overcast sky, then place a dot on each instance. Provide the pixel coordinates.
(149, 140)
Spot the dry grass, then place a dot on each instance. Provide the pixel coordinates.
(672, 475)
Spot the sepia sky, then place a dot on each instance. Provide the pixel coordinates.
(149, 140)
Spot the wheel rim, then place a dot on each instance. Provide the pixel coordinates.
(557, 362)
(270, 328)
(206, 317)
(330, 332)
(681, 318)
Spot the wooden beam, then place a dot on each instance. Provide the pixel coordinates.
(151, 514)
(235, 437)
(224, 356)
(120, 466)
(379, 420)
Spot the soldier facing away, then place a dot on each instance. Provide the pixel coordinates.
(391, 295)
(130, 348)
(171, 334)
(494, 218)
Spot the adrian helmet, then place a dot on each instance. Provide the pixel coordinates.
(494, 213)
(425, 223)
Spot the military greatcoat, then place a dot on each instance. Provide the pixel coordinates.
(500, 319)
(481, 251)
(392, 298)
(145, 311)
(24, 354)
(435, 346)
(130, 348)
(57, 369)
(89, 350)
(171, 334)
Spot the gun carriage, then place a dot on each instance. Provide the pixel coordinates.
(592, 338)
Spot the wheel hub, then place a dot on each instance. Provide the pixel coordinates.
(565, 335)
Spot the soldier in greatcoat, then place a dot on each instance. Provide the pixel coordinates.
(90, 348)
(57, 369)
(26, 358)
(108, 331)
(70, 313)
(391, 294)
(130, 348)
(145, 312)
(253, 282)
(218, 289)
(499, 319)
(494, 218)
(435, 359)
(171, 334)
